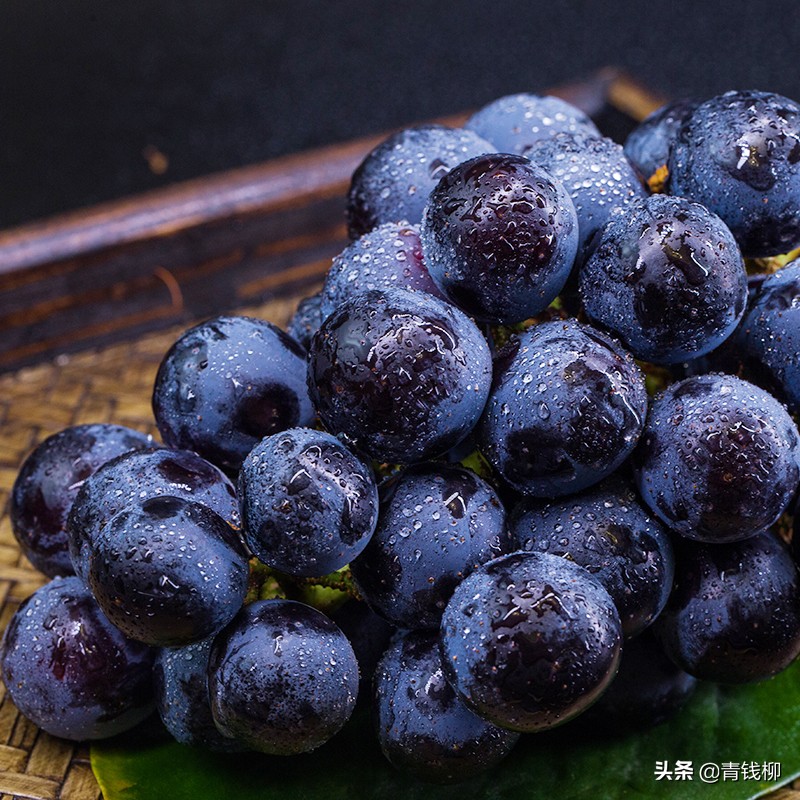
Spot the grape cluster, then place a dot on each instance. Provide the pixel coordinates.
(488, 515)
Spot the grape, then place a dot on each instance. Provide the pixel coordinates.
(566, 408)
(738, 154)
(648, 146)
(513, 124)
(423, 728)
(394, 180)
(666, 277)
(69, 670)
(718, 460)
(400, 375)
(596, 174)
(48, 482)
(770, 336)
(368, 633)
(734, 614)
(134, 477)
(499, 237)
(282, 678)
(308, 505)
(607, 531)
(648, 690)
(227, 383)
(388, 257)
(306, 320)
(181, 688)
(437, 523)
(530, 640)
(168, 571)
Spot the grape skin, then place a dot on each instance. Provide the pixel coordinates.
(422, 726)
(227, 383)
(49, 481)
(69, 670)
(609, 532)
(437, 523)
(137, 476)
(168, 571)
(500, 236)
(400, 375)
(530, 640)
(718, 460)
(566, 408)
(309, 506)
(283, 678)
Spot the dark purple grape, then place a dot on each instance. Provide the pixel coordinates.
(718, 460)
(306, 320)
(649, 145)
(69, 670)
(667, 278)
(648, 690)
(513, 124)
(137, 476)
(530, 640)
(769, 339)
(595, 173)
(423, 728)
(566, 408)
(499, 237)
(437, 523)
(608, 532)
(309, 506)
(387, 257)
(282, 678)
(48, 482)
(367, 632)
(227, 383)
(734, 614)
(394, 180)
(181, 687)
(168, 571)
(739, 155)
(728, 357)
(401, 375)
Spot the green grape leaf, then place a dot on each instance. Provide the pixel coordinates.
(755, 725)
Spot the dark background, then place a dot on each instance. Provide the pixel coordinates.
(101, 99)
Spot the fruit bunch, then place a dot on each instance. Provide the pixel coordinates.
(525, 458)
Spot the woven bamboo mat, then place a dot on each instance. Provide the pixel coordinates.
(109, 385)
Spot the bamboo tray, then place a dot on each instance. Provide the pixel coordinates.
(90, 301)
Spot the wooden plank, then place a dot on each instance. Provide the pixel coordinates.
(198, 248)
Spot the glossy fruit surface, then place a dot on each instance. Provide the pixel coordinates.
(739, 155)
(227, 383)
(566, 408)
(309, 506)
(530, 640)
(734, 615)
(500, 236)
(49, 481)
(423, 727)
(282, 678)
(401, 375)
(718, 460)
(514, 123)
(394, 180)
(69, 670)
(667, 278)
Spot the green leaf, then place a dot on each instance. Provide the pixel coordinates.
(758, 723)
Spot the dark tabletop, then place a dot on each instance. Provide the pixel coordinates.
(101, 99)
